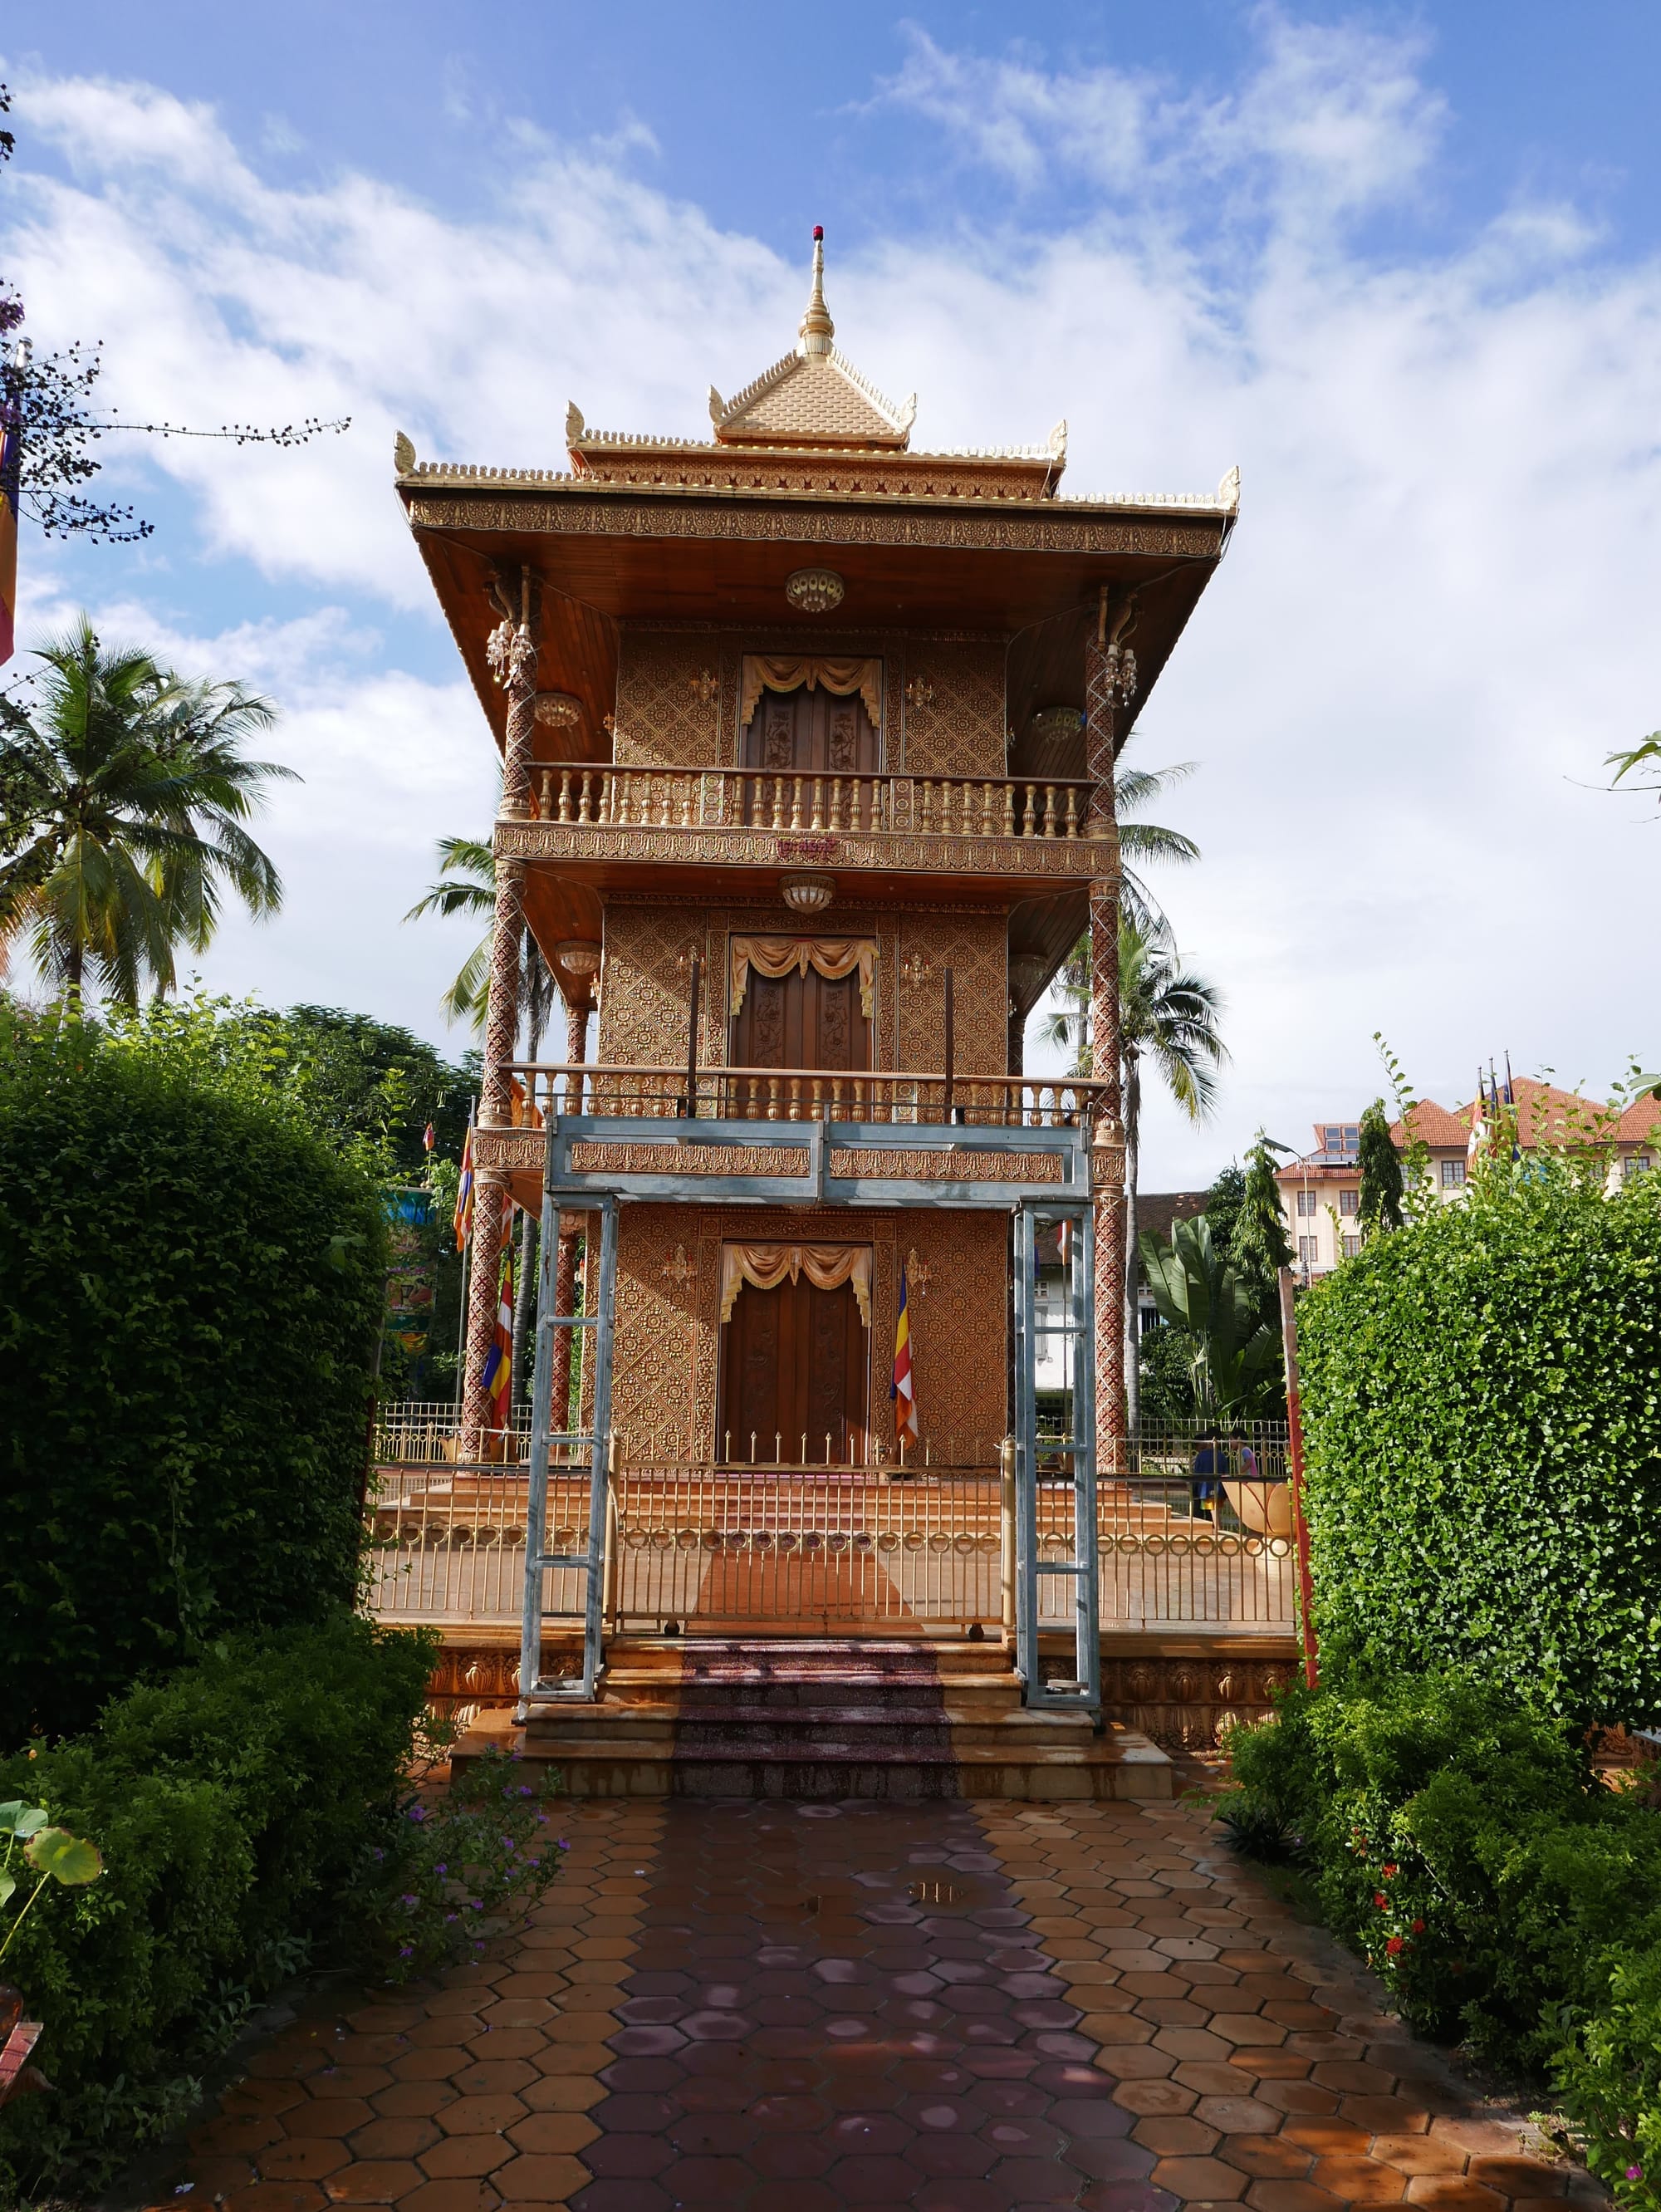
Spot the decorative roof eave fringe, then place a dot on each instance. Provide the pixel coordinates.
(462, 475)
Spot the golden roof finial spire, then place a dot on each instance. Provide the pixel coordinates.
(817, 330)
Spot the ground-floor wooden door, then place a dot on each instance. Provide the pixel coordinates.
(795, 1378)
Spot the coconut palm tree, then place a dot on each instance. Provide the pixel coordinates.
(467, 885)
(1167, 1016)
(1140, 841)
(124, 791)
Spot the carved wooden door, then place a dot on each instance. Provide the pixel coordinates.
(815, 754)
(795, 1378)
(801, 1021)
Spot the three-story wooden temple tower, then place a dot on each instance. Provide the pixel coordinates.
(806, 743)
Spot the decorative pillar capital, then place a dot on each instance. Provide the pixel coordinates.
(510, 651)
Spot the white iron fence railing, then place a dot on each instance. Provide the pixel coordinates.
(1198, 1537)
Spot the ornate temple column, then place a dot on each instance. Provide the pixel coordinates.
(1109, 685)
(513, 656)
(574, 962)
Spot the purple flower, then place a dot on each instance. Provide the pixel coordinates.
(405, 1951)
(410, 1900)
(377, 1854)
(452, 1915)
(560, 1844)
(525, 1790)
(440, 1868)
(1634, 2173)
(507, 1843)
(418, 1814)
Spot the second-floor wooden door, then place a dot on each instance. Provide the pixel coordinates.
(803, 1021)
(815, 754)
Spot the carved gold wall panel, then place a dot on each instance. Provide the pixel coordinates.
(976, 949)
(667, 1349)
(666, 715)
(645, 983)
(955, 715)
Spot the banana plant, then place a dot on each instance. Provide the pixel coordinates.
(1235, 1354)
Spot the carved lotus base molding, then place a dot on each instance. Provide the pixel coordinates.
(1184, 1703)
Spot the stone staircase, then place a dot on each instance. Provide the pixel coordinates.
(800, 1718)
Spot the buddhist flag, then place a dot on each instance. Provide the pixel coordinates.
(464, 1193)
(498, 1366)
(10, 459)
(902, 1390)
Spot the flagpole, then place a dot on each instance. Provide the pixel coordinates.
(467, 1269)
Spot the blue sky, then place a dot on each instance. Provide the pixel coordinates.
(1400, 264)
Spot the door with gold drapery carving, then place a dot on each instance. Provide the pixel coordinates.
(813, 754)
(795, 1378)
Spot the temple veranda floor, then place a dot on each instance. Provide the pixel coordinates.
(787, 2007)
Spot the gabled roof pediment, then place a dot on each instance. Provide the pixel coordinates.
(809, 400)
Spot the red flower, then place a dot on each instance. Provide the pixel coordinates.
(1418, 1928)
(1388, 1871)
(1381, 1900)
(1396, 1943)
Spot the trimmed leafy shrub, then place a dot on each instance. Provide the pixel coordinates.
(191, 1287)
(1458, 1840)
(235, 1809)
(1482, 1424)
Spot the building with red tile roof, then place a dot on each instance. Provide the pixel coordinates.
(1321, 1192)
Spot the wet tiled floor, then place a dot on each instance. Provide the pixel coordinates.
(792, 2008)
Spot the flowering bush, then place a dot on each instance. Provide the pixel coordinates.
(1609, 2075)
(444, 1872)
(1500, 1890)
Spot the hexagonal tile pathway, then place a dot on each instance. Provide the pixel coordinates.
(794, 2007)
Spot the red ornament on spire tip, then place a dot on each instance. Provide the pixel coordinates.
(818, 231)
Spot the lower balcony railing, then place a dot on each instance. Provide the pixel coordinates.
(799, 1094)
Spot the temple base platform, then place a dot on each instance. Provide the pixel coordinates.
(704, 1716)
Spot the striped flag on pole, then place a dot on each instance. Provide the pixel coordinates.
(903, 1390)
(499, 1365)
(464, 1193)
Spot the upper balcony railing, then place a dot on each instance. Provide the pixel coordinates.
(793, 1094)
(801, 803)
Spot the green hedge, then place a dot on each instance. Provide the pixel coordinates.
(234, 1808)
(1482, 1424)
(1458, 1840)
(190, 1293)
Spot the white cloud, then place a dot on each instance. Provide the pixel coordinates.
(1436, 615)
